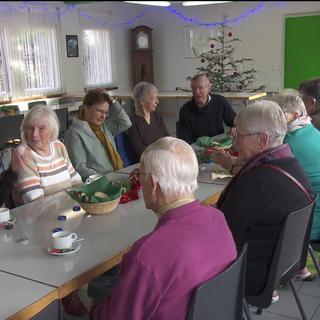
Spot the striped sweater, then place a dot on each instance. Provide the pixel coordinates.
(44, 175)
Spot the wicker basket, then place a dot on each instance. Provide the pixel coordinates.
(100, 207)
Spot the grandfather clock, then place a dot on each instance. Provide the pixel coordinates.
(142, 54)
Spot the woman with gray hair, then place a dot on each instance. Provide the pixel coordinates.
(48, 169)
(304, 140)
(260, 196)
(190, 244)
(147, 125)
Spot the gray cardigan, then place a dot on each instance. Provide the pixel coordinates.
(86, 152)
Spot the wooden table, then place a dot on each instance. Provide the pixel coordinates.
(22, 298)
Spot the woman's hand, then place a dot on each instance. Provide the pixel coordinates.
(224, 159)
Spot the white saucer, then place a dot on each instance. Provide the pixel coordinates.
(58, 252)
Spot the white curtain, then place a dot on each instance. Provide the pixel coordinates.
(29, 44)
(97, 53)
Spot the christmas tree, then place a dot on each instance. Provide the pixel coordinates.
(225, 72)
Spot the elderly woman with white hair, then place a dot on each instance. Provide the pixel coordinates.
(147, 125)
(260, 196)
(190, 244)
(48, 169)
(304, 140)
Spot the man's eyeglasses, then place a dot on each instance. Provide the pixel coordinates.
(245, 134)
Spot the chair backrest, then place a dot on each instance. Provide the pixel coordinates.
(222, 296)
(69, 99)
(288, 253)
(10, 129)
(62, 114)
(124, 149)
(34, 103)
(10, 110)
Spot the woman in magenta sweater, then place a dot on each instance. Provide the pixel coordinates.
(190, 244)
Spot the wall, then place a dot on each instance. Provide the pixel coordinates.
(120, 42)
(261, 34)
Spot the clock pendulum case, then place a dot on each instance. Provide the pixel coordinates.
(142, 59)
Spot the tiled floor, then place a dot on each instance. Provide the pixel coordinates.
(286, 308)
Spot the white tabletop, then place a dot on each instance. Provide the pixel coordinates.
(105, 236)
(128, 169)
(205, 174)
(17, 294)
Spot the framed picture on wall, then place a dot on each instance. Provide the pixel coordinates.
(197, 40)
(72, 46)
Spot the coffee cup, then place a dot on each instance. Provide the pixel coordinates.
(4, 215)
(63, 239)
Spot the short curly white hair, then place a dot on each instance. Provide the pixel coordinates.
(41, 112)
(264, 116)
(174, 164)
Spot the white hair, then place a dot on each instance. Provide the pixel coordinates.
(41, 112)
(290, 101)
(264, 116)
(174, 164)
(140, 91)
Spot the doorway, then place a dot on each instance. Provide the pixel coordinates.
(302, 50)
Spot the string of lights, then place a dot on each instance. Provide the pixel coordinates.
(196, 22)
(65, 9)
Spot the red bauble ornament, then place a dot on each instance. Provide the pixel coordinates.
(211, 45)
(230, 34)
(202, 60)
(235, 73)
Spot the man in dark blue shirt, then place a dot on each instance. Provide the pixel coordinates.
(204, 114)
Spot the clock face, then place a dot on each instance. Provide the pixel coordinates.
(142, 40)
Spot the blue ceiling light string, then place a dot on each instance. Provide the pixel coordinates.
(199, 23)
(119, 24)
(68, 8)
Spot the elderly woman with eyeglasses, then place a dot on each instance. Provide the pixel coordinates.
(259, 197)
(90, 139)
(147, 125)
(304, 140)
(190, 244)
(48, 168)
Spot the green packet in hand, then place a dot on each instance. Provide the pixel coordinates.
(222, 143)
(100, 190)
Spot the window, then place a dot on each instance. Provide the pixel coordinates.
(4, 83)
(97, 57)
(29, 60)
